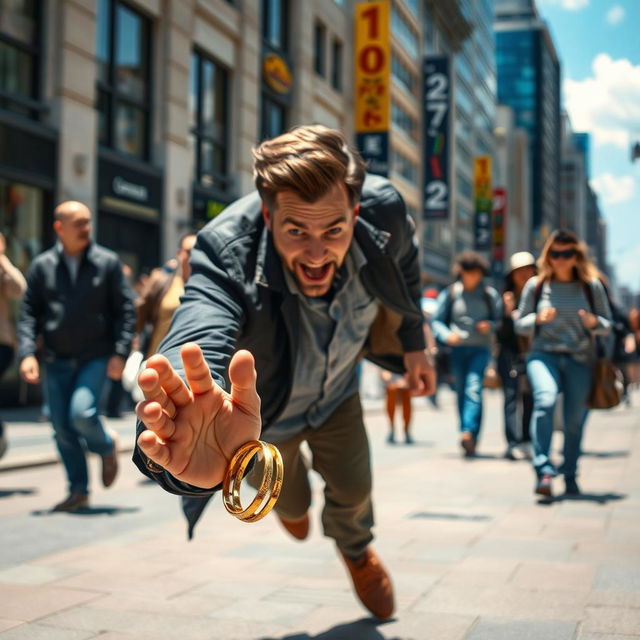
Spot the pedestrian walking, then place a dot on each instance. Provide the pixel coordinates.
(512, 350)
(397, 391)
(562, 310)
(318, 266)
(160, 298)
(78, 301)
(467, 315)
(12, 286)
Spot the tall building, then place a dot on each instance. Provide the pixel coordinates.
(529, 82)
(511, 176)
(461, 32)
(147, 111)
(573, 180)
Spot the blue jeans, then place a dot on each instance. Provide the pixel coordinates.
(468, 365)
(551, 374)
(73, 390)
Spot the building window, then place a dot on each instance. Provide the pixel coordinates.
(275, 23)
(404, 75)
(404, 167)
(123, 49)
(336, 65)
(319, 48)
(404, 33)
(274, 118)
(404, 121)
(209, 120)
(19, 52)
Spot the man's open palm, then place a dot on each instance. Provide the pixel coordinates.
(193, 429)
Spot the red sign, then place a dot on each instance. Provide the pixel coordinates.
(499, 228)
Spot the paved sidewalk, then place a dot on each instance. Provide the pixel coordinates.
(473, 556)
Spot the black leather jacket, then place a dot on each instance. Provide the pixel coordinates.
(237, 298)
(91, 318)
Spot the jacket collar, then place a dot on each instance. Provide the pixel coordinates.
(269, 271)
(87, 254)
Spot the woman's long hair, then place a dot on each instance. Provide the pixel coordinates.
(584, 270)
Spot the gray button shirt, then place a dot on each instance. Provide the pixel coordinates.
(72, 262)
(332, 335)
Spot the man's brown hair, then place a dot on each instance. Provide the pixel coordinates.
(308, 160)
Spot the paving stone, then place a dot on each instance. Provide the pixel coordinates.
(618, 578)
(554, 575)
(44, 632)
(26, 603)
(612, 620)
(34, 574)
(608, 636)
(7, 624)
(492, 629)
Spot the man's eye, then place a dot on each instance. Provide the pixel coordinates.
(296, 233)
(335, 231)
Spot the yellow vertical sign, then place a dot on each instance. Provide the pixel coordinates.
(483, 196)
(372, 66)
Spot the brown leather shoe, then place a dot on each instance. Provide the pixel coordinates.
(110, 463)
(299, 529)
(73, 502)
(372, 583)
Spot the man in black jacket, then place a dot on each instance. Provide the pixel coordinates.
(80, 303)
(289, 288)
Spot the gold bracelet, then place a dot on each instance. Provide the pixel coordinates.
(269, 489)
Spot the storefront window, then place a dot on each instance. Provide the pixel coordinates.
(18, 56)
(209, 120)
(123, 53)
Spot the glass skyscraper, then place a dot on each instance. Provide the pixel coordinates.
(529, 82)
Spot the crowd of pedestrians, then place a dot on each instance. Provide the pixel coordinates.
(257, 326)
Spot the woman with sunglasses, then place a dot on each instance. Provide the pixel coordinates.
(465, 320)
(562, 309)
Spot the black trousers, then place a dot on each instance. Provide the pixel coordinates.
(517, 399)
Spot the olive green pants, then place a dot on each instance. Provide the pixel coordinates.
(340, 454)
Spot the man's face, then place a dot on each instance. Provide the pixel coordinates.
(312, 239)
(74, 227)
(183, 255)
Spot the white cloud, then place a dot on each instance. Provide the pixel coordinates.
(569, 5)
(615, 15)
(608, 103)
(614, 189)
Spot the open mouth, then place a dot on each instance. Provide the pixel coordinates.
(316, 274)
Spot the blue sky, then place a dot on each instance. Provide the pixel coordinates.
(598, 43)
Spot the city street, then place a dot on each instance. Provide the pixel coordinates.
(472, 554)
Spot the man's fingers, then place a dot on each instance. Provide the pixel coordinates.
(169, 380)
(149, 382)
(196, 369)
(242, 373)
(154, 418)
(154, 448)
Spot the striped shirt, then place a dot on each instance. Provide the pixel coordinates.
(565, 333)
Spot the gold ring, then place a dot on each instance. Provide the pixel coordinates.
(270, 486)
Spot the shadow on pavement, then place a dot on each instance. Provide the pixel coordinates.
(363, 629)
(598, 498)
(89, 511)
(606, 454)
(7, 493)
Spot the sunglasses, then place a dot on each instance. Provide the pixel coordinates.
(565, 254)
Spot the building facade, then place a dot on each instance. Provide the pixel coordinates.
(512, 178)
(529, 82)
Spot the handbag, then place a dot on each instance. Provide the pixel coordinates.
(492, 379)
(606, 388)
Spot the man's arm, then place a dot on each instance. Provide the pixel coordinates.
(210, 315)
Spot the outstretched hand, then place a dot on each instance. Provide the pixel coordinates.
(193, 429)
